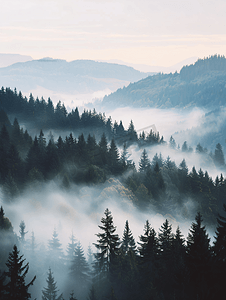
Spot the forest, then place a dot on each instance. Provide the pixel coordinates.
(161, 265)
(198, 85)
(95, 152)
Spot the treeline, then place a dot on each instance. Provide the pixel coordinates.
(24, 160)
(161, 266)
(41, 114)
(158, 184)
(198, 85)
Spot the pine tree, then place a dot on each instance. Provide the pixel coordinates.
(107, 244)
(22, 232)
(144, 162)
(131, 133)
(148, 264)
(71, 248)
(7, 238)
(199, 260)
(219, 156)
(90, 256)
(172, 142)
(128, 243)
(103, 150)
(219, 249)
(55, 253)
(16, 288)
(79, 269)
(51, 291)
(113, 158)
(165, 240)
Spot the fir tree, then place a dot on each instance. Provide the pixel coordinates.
(71, 248)
(219, 156)
(16, 288)
(107, 244)
(199, 260)
(79, 269)
(51, 291)
(128, 242)
(144, 162)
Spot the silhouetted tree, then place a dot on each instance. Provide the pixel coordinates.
(16, 288)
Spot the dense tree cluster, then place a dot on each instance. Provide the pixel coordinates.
(158, 183)
(42, 114)
(161, 265)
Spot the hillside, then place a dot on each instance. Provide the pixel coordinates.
(201, 84)
(78, 76)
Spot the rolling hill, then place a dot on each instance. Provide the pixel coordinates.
(201, 84)
(78, 76)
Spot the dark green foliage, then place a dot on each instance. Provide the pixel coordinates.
(51, 291)
(128, 243)
(107, 244)
(16, 288)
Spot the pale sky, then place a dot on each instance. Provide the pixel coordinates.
(159, 32)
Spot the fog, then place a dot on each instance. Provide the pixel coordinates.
(46, 206)
(79, 210)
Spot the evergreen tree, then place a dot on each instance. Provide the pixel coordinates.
(90, 256)
(7, 238)
(79, 269)
(148, 264)
(107, 244)
(71, 248)
(219, 156)
(55, 253)
(144, 162)
(22, 231)
(199, 260)
(51, 291)
(172, 142)
(128, 242)
(103, 150)
(184, 147)
(113, 158)
(219, 249)
(131, 133)
(16, 288)
(166, 264)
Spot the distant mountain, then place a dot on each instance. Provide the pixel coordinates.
(156, 69)
(78, 76)
(201, 84)
(9, 59)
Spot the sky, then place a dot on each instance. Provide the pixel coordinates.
(160, 33)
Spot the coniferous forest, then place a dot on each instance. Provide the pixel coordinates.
(93, 151)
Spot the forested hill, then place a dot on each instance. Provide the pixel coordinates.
(201, 85)
(79, 76)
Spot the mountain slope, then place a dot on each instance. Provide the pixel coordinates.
(201, 84)
(79, 76)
